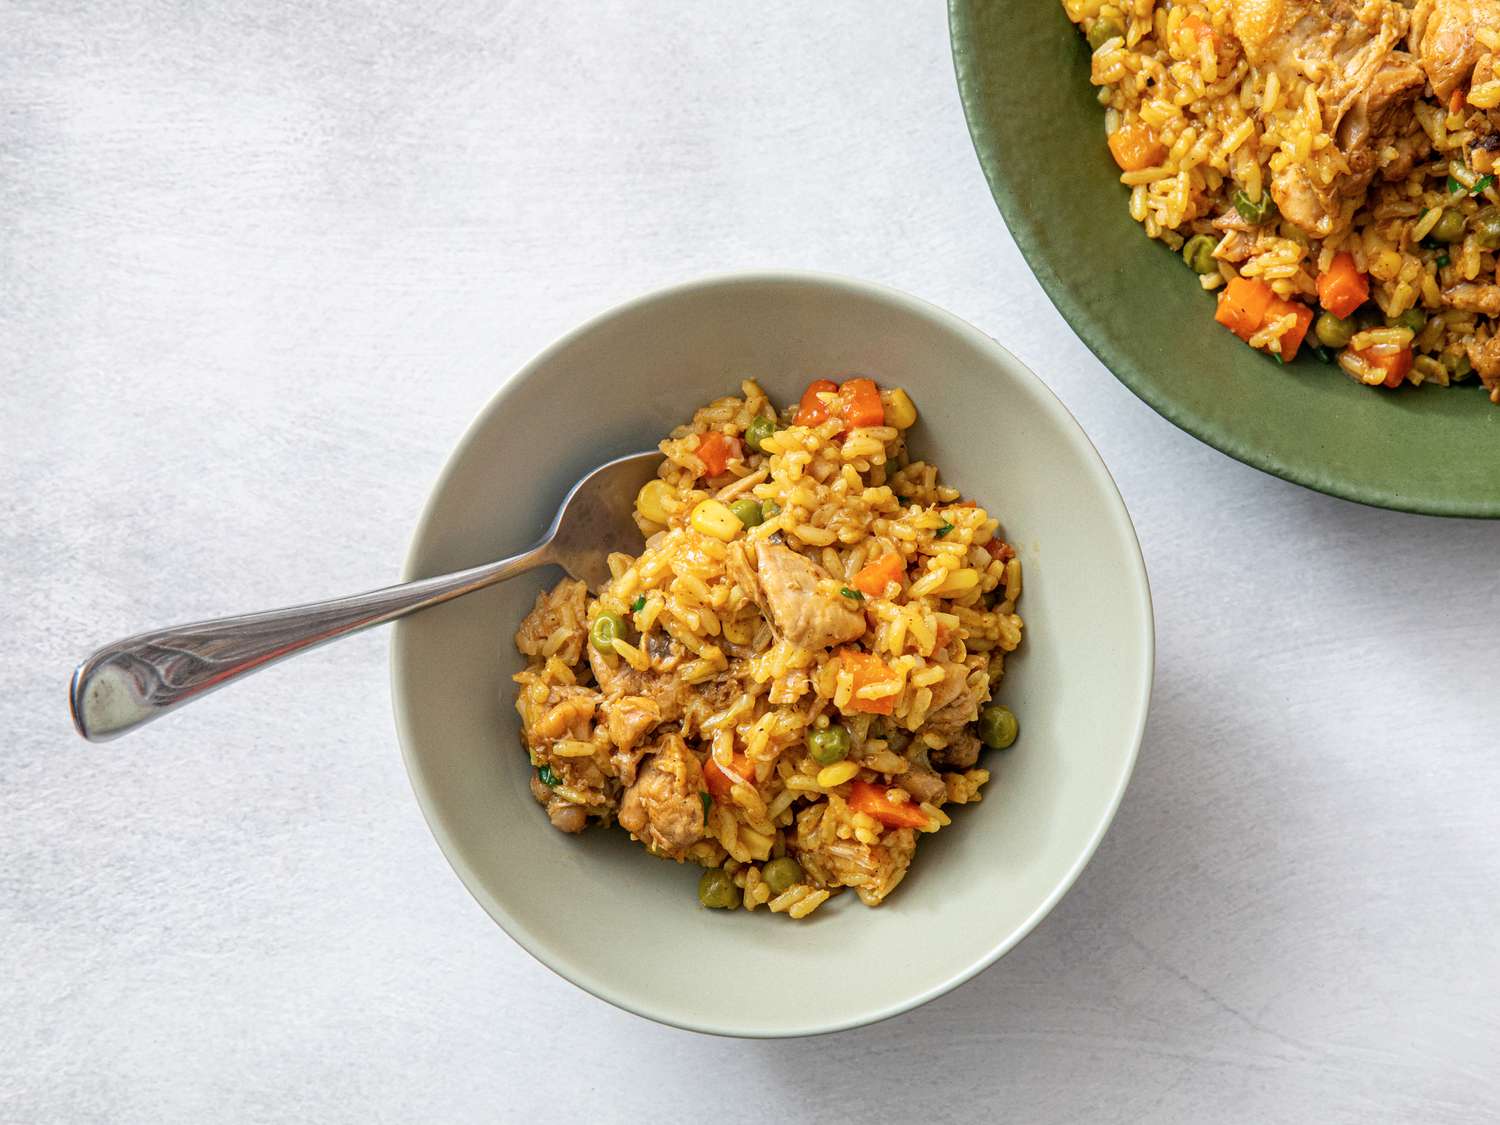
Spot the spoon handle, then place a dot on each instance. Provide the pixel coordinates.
(127, 684)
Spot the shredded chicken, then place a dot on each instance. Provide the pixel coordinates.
(561, 612)
(663, 808)
(873, 870)
(1364, 84)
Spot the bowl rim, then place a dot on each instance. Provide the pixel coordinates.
(1023, 229)
(1121, 525)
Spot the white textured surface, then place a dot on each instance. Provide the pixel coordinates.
(259, 265)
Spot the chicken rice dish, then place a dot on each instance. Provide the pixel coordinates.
(794, 682)
(1328, 167)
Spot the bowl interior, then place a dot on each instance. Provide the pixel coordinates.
(627, 927)
(1023, 73)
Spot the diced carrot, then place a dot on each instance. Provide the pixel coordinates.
(1292, 338)
(1456, 100)
(1394, 364)
(867, 669)
(1000, 549)
(859, 404)
(1201, 29)
(1341, 287)
(813, 411)
(716, 450)
(873, 578)
(875, 800)
(1242, 306)
(720, 783)
(1135, 147)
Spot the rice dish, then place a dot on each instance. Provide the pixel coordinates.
(793, 683)
(1328, 167)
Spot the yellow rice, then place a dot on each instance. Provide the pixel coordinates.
(732, 703)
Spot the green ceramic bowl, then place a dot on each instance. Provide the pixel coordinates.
(1023, 75)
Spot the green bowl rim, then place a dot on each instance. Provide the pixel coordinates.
(1083, 324)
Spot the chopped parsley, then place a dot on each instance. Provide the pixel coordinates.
(1481, 184)
(1277, 357)
(1322, 353)
(854, 595)
(547, 776)
(1443, 260)
(943, 530)
(1454, 187)
(708, 801)
(638, 605)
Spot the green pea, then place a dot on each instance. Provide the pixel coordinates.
(1333, 331)
(1449, 228)
(1415, 319)
(1457, 363)
(1102, 32)
(758, 430)
(997, 726)
(1487, 228)
(782, 874)
(1256, 211)
(1198, 253)
(747, 512)
(770, 509)
(606, 627)
(828, 745)
(716, 890)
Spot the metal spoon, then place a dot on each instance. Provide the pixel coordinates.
(127, 684)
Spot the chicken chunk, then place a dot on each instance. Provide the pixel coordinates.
(1475, 298)
(1364, 84)
(563, 815)
(785, 586)
(663, 808)
(923, 785)
(961, 752)
(558, 612)
(873, 870)
(952, 689)
(628, 719)
(1486, 360)
(1443, 32)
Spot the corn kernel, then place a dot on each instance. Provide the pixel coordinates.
(836, 774)
(715, 520)
(959, 581)
(651, 502)
(900, 411)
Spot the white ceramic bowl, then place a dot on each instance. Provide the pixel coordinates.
(626, 927)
